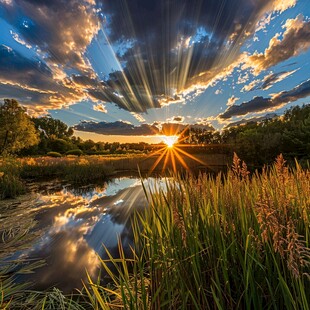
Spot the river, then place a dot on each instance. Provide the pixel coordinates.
(71, 226)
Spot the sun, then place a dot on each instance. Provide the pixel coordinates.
(170, 141)
(172, 154)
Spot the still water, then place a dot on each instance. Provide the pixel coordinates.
(73, 224)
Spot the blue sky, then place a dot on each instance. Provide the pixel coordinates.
(142, 63)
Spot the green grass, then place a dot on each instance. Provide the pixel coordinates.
(14, 172)
(231, 242)
(11, 185)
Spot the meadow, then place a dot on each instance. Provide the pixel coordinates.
(234, 241)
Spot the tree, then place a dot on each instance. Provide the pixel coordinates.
(17, 131)
(50, 127)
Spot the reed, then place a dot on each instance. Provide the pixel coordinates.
(11, 185)
(234, 241)
(231, 242)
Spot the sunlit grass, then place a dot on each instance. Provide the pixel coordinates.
(230, 242)
(235, 241)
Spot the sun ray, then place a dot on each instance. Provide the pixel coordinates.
(181, 160)
(189, 155)
(173, 162)
(166, 160)
(158, 161)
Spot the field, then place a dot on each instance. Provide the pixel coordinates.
(231, 242)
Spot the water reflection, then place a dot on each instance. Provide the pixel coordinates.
(73, 226)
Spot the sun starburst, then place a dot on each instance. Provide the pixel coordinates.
(172, 155)
(170, 141)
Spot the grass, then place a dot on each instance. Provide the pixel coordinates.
(14, 172)
(236, 241)
(233, 242)
(11, 185)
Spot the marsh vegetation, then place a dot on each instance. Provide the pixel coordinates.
(237, 240)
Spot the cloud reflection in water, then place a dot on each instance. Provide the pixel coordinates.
(75, 226)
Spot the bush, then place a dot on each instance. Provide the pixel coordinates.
(77, 152)
(53, 154)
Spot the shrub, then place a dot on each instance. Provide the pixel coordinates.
(77, 152)
(53, 154)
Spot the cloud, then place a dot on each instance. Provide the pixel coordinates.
(61, 30)
(117, 128)
(232, 100)
(100, 108)
(164, 50)
(282, 5)
(278, 6)
(251, 86)
(176, 119)
(274, 78)
(33, 82)
(18, 39)
(295, 40)
(243, 78)
(268, 81)
(252, 120)
(259, 104)
(126, 129)
(138, 117)
(168, 50)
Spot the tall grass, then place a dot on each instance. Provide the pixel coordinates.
(74, 169)
(14, 172)
(10, 183)
(231, 242)
(235, 241)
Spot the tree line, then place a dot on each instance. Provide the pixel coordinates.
(257, 143)
(23, 135)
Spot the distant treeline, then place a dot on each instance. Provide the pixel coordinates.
(257, 143)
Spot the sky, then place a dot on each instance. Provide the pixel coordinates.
(134, 70)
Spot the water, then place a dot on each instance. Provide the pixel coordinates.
(71, 226)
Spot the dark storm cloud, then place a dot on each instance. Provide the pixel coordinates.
(259, 104)
(117, 128)
(174, 42)
(149, 20)
(125, 129)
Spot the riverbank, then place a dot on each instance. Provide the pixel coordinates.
(84, 169)
(227, 242)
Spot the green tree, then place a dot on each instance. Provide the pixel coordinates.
(50, 127)
(17, 131)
